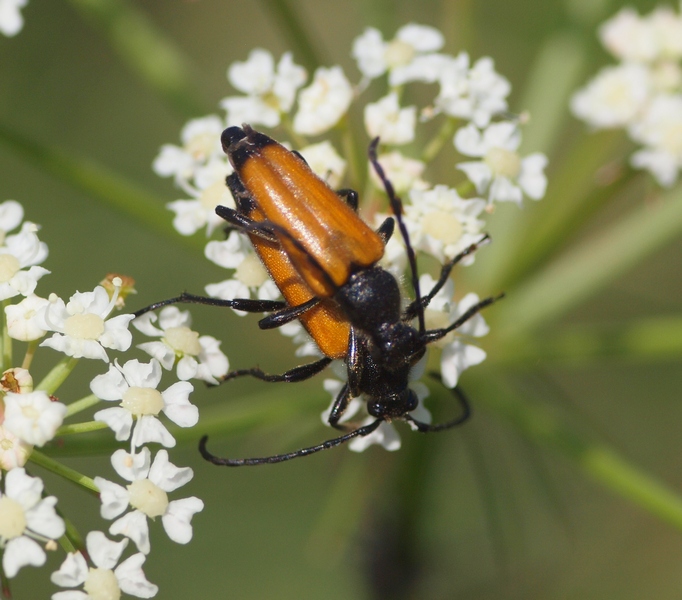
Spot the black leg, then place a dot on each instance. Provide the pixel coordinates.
(397, 208)
(250, 462)
(286, 315)
(466, 413)
(339, 407)
(411, 311)
(435, 334)
(300, 373)
(245, 304)
(386, 229)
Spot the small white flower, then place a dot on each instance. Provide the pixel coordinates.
(614, 97)
(200, 144)
(11, 215)
(197, 357)
(442, 311)
(403, 172)
(209, 191)
(325, 162)
(18, 252)
(105, 580)
(147, 494)
(390, 123)
(502, 173)
(83, 330)
(270, 92)
(21, 318)
(477, 93)
(25, 516)
(134, 386)
(33, 417)
(11, 21)
(630, 37)
(443, 224)
(411, 43)
(322, 104)
(14, 452)
(660, 130)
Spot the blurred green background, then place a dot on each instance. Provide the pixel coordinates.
(479, 512)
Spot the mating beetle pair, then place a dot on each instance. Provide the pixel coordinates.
(323, 258)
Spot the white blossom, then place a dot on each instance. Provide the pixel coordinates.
(200, 144)
(82, 327)
(14, 452)
(19, 251)
(502, 173)
(322, 104)
(11, 21)
(26, 516)
(147, 495)
(390, 123)
(412, 42)
(443, 310)
(21, 318)
(197, 356)
(270, 92)
(443, 224)
(477, 93)
(33, 417)
(403, 172)
(105, 580)
(660, 129)
(134, 385)
(614, 97)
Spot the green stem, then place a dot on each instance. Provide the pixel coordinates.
(30, 353)
(438, 141)
(100, 182)
(52, 465)
(590, 267)
(648, 339)
(57, 375)
(155, 57)
(86, 427)
(298, 36)
(594, 458)
(6, 340)
(82, 404)
(356, 162)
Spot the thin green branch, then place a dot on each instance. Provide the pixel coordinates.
(595, 458)
(100, 182)
(57, 375)
(648, 339)
(591, 266)
(146, 49)
(82, 404)
(86, 427)
(57, 468)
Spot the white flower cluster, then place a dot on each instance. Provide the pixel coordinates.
(643, 93)
(31, 417)
(470, 100)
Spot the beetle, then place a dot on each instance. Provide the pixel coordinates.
(323, 257)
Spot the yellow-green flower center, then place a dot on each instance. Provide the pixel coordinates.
(148, 497)
(183, 340)
(503, 162)
(12, 519)
(101, 584)
(442, 226)
(398, 54)
(201, 146)
(212, 196)
(85, 326)
(142, 401)
(9, 265)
